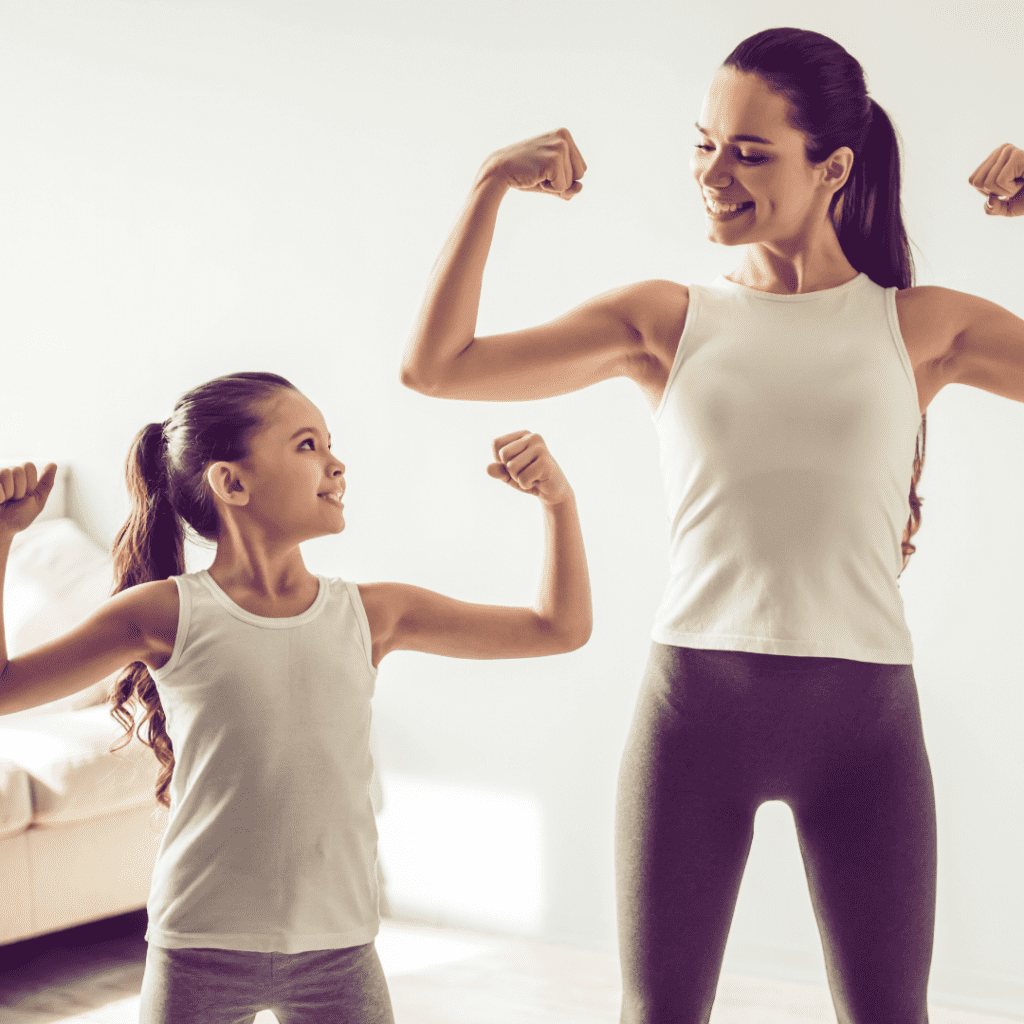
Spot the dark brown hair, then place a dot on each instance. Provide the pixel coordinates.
(829, 103)
(165, 473)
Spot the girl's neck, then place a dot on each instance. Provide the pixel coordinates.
(265, 572)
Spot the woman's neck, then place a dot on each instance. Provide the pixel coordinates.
(794, 270)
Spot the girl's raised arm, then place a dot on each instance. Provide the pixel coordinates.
(138, 624)
(609, 336)
(411, 618)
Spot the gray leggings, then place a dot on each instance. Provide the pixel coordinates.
(716, 734)
(230, 986)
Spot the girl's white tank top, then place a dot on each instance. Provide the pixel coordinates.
(787, 429)
(271, 842)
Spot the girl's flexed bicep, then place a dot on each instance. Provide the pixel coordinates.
(408, 618)
(138, 624)
(404, 617)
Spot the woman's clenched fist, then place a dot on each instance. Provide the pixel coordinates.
(548, 163)
(1001, 179)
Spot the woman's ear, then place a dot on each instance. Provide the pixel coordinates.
(225, 483)
(838, 168)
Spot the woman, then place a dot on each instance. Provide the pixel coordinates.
(789, 399)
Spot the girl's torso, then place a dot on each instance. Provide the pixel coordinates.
(270, 843)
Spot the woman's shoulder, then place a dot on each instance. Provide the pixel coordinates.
(656, 310)
(929, 318)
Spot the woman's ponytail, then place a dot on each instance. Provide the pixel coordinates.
(869, 219)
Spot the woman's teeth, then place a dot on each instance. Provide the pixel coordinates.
(725, 207)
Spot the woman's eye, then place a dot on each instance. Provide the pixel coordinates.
(309, 441)
(752, 159)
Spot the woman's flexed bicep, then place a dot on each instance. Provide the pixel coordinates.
(600, 339)
(617, 334)
(138, 624)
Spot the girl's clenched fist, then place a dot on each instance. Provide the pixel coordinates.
(525, 463)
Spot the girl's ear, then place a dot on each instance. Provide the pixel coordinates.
(225, 483)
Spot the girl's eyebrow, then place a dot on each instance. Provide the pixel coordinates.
(307, 430)
(739, 138)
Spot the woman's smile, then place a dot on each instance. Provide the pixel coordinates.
(726, 211)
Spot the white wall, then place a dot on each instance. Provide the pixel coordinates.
(191, 189)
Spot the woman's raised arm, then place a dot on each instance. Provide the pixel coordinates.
(609, 336)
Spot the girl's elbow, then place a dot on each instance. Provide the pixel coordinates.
(574, 639)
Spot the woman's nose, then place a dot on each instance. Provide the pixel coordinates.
(715, 174)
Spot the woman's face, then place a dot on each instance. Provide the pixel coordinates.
(751, 165)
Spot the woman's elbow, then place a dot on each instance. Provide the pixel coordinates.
(410, 378)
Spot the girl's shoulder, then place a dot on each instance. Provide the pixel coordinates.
(153, 609)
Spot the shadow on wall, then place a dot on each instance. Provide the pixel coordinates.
(456, 855)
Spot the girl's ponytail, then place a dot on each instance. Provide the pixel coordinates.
(150, 546)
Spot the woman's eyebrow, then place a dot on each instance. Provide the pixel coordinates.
(739, 138)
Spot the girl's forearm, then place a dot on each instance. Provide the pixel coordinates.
(446, 323)
(563, 600)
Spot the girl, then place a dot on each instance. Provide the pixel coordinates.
(256, 678)
(790, 400)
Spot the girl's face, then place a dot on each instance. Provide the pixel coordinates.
(293, 481)
(752, 169)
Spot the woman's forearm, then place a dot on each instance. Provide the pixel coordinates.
(5, 550)
(563, 600)
(447, 319)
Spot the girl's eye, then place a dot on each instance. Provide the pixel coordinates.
(309, 440)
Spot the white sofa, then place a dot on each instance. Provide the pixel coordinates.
(79, 830)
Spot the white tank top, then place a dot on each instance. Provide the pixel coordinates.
(271, 841)
(787, 431)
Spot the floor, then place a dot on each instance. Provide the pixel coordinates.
(93, 974)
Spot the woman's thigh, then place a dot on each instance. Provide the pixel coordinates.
(222, 986)
(867, 834)
(684, 825)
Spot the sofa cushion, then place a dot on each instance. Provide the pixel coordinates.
(15, 799)
(56, 578)
(71, 773)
